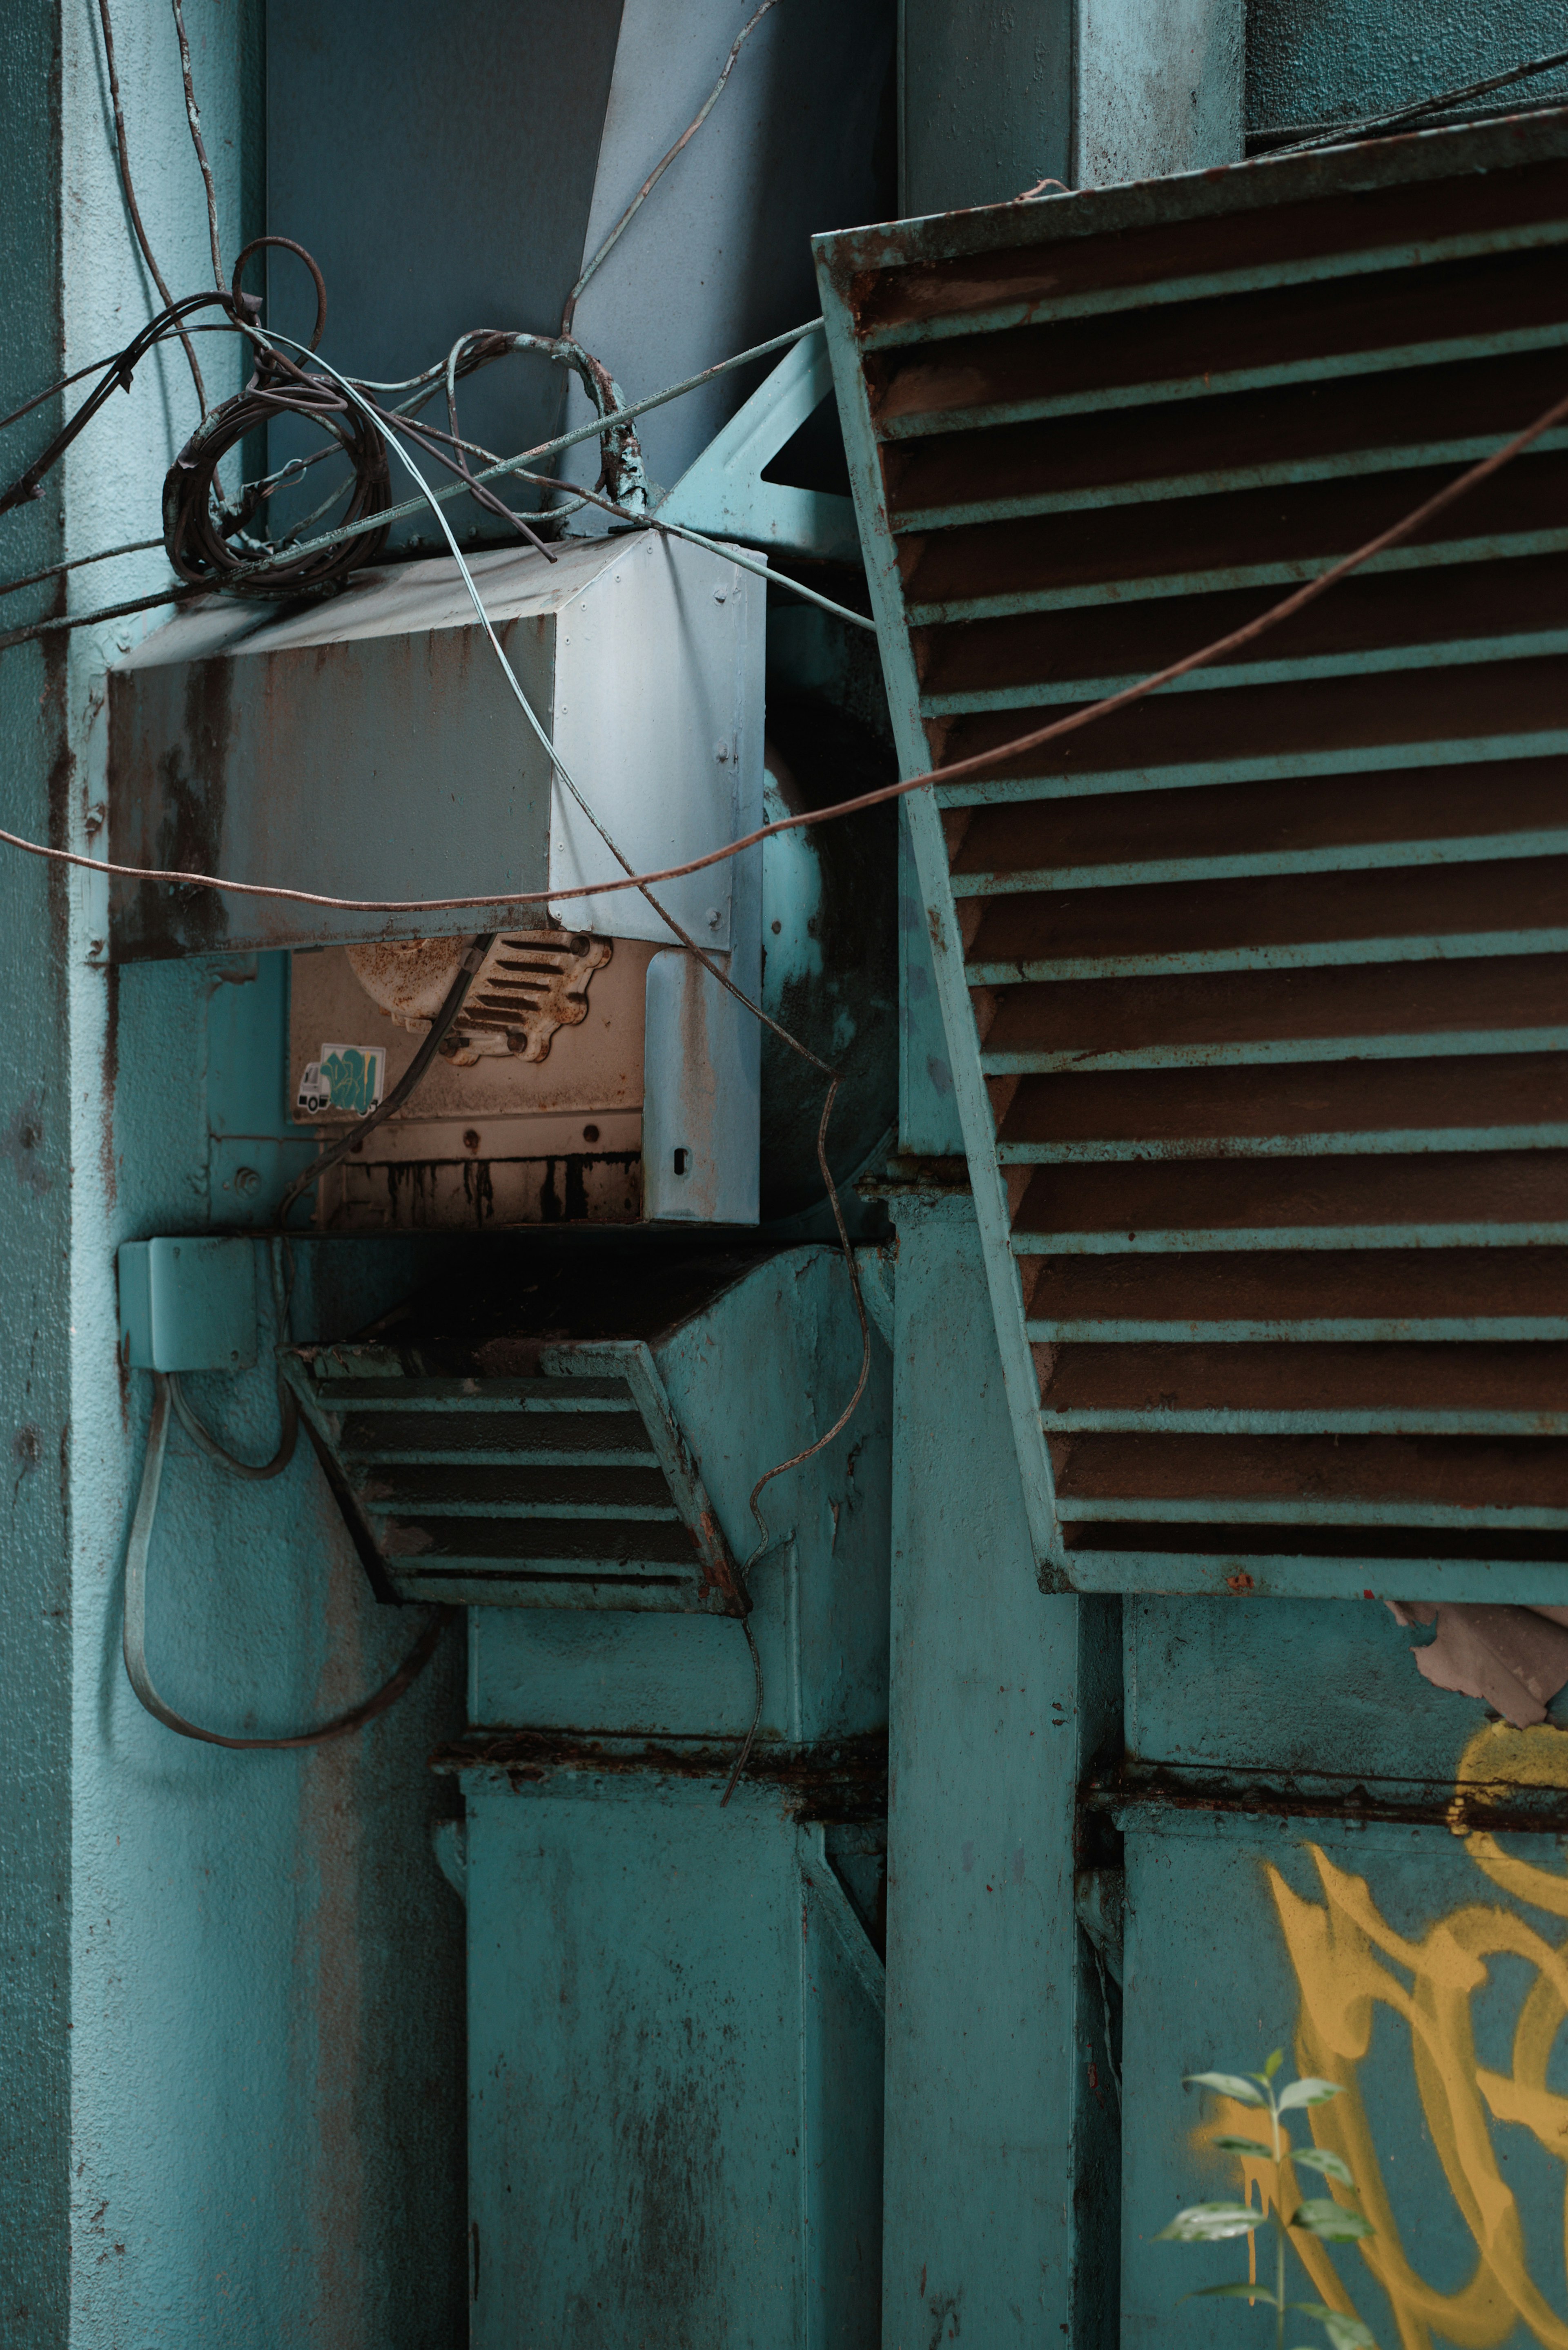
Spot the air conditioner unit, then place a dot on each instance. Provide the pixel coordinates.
(372, 748)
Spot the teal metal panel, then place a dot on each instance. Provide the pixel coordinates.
(1324, 1854)
(675, 2124)
(985, 100)
(188, 1305)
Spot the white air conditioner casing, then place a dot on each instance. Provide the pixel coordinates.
(372, 748)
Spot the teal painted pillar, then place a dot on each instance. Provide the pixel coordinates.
(1158, 87)
(999, 2178)
(995, 97)
(229, 1984)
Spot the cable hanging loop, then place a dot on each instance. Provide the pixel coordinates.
(621, 471)
(205, 539)
(133, 1638)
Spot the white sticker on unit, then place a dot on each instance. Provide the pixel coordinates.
(347, 1077)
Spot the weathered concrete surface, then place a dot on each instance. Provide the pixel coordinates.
(229, 1984)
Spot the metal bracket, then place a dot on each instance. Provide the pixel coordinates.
(829, 1908)
(724, 494)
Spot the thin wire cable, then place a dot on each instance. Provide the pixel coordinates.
(133, 1633)
(952, 771)
(172, 594)
(424, 436)
(659, 169)
(744, 1753)
(70, 620)
(411, 505)
(1366, 123)
(62, 383)
(134, 209)
(429, 1046)
(194, 118)
(1111, 2067)
(105, 554)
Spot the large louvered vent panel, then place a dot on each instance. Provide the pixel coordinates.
(1257, 993)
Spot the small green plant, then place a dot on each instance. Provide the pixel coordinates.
(1320, 2216)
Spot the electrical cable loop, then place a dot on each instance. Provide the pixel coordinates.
(621, 471)
(208, 539)
(133, 1636)
(199, 1433)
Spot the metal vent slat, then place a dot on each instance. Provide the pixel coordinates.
(558, 1492)
(1256, 993)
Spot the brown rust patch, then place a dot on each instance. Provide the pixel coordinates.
(844, 1779)
(190, 788)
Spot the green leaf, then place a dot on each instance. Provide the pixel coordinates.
(1317, 2157)
(1242, 2146)
(1332, 2221)
(1209, 2223)
(1308, 2093)
(1343, 2332)
(1228, 2084)
(1274, 2063)
(1232, 2293)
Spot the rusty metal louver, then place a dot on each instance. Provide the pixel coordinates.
(565, 1490)
(1257, 993)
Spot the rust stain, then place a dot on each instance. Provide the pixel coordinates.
(841, 1779)
(108, 1082)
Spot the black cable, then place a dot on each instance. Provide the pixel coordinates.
(456, 996)
(117, 375)
(1368, 123)
(138, 228)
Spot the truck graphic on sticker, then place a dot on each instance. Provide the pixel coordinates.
(347, 1078)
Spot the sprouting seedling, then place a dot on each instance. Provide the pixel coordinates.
(1320, 2216)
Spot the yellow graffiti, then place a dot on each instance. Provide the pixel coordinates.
(1348, 1961)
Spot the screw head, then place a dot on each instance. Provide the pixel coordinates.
(247, 1180)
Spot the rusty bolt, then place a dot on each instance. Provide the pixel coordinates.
(471, 1138)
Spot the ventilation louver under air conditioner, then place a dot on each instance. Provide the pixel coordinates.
(1256, 994)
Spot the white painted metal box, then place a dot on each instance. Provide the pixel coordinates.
(372, 748)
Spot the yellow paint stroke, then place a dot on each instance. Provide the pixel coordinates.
(1348, 1961)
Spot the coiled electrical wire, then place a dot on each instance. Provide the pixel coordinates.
(208, 539)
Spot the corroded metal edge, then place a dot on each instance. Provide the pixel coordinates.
(829, 1780)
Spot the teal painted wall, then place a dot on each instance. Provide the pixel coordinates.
(1329, 60)
(231, 1987)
